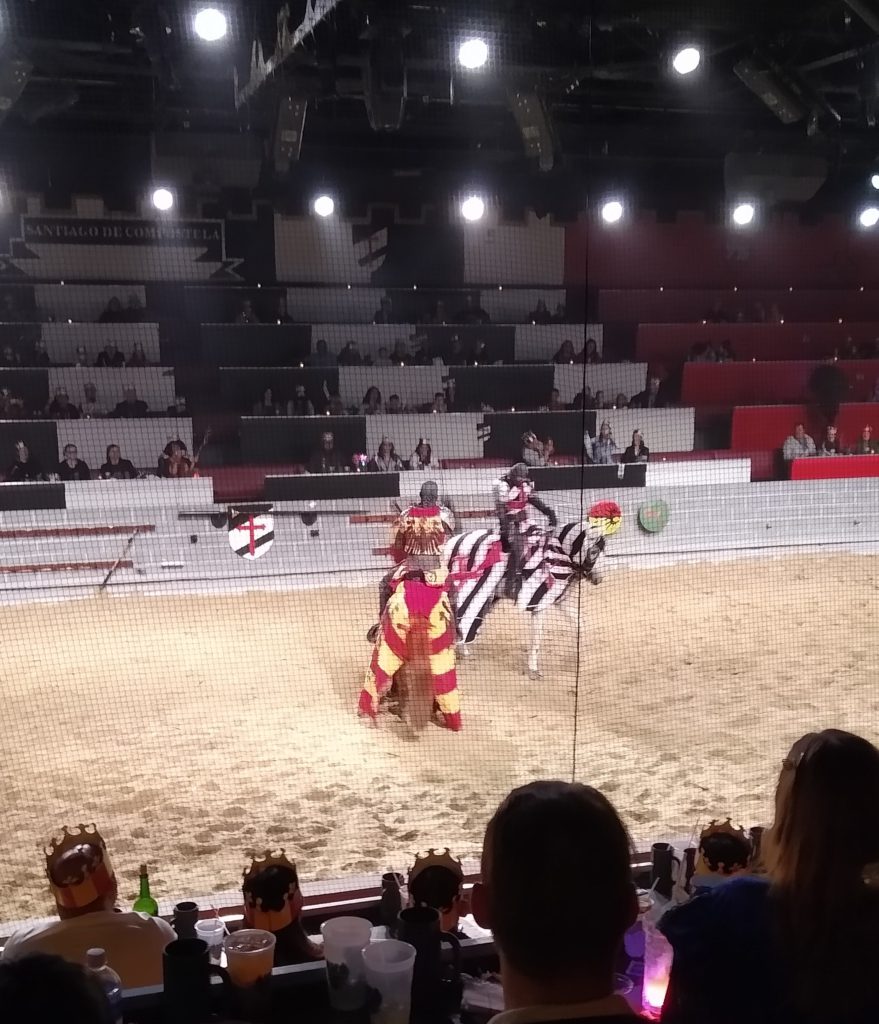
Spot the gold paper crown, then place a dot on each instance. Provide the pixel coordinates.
(432, 859)
(719, 828)
(96, 880)
(255, 915)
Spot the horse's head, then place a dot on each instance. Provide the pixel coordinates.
(584, 544)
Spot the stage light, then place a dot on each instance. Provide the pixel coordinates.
(612, 211)
(869, 217)
(743, 214)
(163, 199)
(472, 208)
(874, 180)
(473, 53)
(323, 206)
(686, 60)
(210, 24)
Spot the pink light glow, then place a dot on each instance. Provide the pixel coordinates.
(654, 992)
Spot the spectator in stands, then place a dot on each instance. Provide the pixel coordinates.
(10, 357)
(335, 406)
(394, 405)
(322, 355)
(382, 358)
(604, 447)
(61, 408)
(41, 354)
(700, 352)
(350, 354)
(273, 902)
(534, 451)
(560, 316)
(555, 401)
(439, 885)
(482, 353)
(280, 315)
(439, 314)
(591, 356)
(830, 443)
(267, 406)
(25, 466)
(138, 356)
(722, 352)
(565, 353)
(422, 355)
(84, 886)
(81, 357)
(71, 467)
(174, 462)
(584, 399)
(117, 468)
(11, 406)
(785, 942)
(540, 314)
(113, 314)
(570, 837)
(866, 445)
(110, 356)
(621, 401)
(178, 407)
(472, 313)
(42, 988)
(400, 354)
(372, 402)
(90, 408)
(386, 459)
(131, 407)
(637, 450)
(798, 445)
(422, 457)
(439, 403)
(457, 352)
(600, 402)
(299, 404)
(134, 311)
(326, 459)
(385, 312)
(247, 314)
(651, 397)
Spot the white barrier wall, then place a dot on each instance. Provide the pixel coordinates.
(414, 384)
(141, 441)
(611, 378)
(154, 384)
(83, 302)
(539, 342)
(664, 430)
(122, 497)
(63, 339)
(450, 437)
(529, 253)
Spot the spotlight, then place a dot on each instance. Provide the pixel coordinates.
(473, 53)
(210, 24)
(612, 211)
(743, 214)
(874, 180)
(472, 208)
(163, 199)
(686, 60)
(869, 217)
(324, 206)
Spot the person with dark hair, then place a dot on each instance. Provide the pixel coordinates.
(540, 314)
(113, 313)
(246, 314)
(385, 312)
(536, 452)
(273, 902)
(372, 402)
(110, 356)
(394, 405)
(25, 466)
(422, 457)
(41, 355)
(472, 313)
(71, 467)
(131, 407)
(556, 862)
(590, 355)
(637, 450)
(866, 444)
(326, 459)
(267, 406)
(321, 355)
(138, 356)
(350, 354)
(436, 880)
(41, 988)
(300, 404)
(565, 352)
(513, 493)
(386, 459)
(61, 408)
(798, 445)
(117, 468)
(651, 397)
(174, 462)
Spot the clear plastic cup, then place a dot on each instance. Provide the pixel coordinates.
(212, 931)
(389, 967)
(344, 941)
(250, 956)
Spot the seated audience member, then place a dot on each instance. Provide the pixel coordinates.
(322, 355)
(61, 408)
(117, 468)
(621, 401)
(281, 315)
(246, 314)
(372, 402)
(273, 903)
(131, 407)
(722, 352)
(555, 401)
(540, 314)
(724, 853)
(785, 943)
(350, 355)
(560, 316)
(651, 397)
(637, 450)
(138, 356)
(110, 356)
(458, 354)
(798, 445)
(584, 399)
(174, 463)
(830, 443)
(267, 406)
(600, 401)
(11, 406)
(335, 406)
(386, 459)
(83, 884)
(326, 459)
(382, 358)
(25, 466)
(113, 314)
(422, 355)
(437, 881)
(422, 457)
(472, 313)
(178, 408)
(565, 353)
(134, 311)
(700, 352)
(299, 404)
(570, 837)
(534, 451)
(590, 355)
(71, 467)
(393, 405)
(81, 356)
(439, 403)
(604, 447)
(866, 445)
(400, 354)
(41, 988)
(385, 312)
(90, 408)
(10, 357)
(41, 354)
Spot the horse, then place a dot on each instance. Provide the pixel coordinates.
(551, 564)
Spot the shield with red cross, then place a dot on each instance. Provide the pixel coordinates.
(251, 532)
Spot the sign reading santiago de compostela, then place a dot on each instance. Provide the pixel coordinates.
(116, 248)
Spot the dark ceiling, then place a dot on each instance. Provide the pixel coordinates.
(119, 70)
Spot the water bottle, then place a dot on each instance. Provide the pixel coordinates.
(109, 980)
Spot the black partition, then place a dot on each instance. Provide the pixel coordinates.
(503, 432)
(218, 304)
(255, 344)
(572, 478)
(501, 387)
(31, 497)
(41, 437)
(273, 439)
(241, 387)
(489, 343)
(31, 386)
(329, 486)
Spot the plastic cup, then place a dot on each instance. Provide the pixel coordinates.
(344, 940)
(212, 931)
(389, 968)
(250, 956)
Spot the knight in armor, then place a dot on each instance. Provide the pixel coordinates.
(513, 493)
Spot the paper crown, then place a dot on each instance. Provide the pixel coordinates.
(254, 913)
(91, 877)
(715, 828)
(432, 859)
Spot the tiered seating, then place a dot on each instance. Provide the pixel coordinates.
(729, 384)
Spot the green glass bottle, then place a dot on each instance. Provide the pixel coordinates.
(145, 904)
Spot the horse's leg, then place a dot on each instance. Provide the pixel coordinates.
(534, 654)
